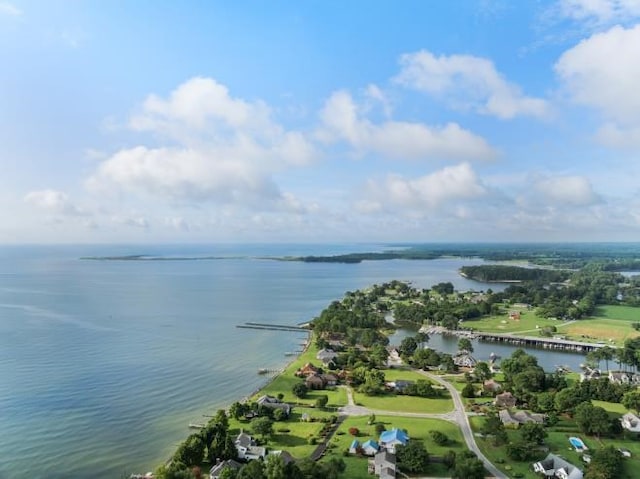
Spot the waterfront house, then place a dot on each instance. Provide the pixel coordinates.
(624, 377)
(464, 360)
(383, 465)
(326, 354)
(506, 399)
(370, 447)
(216, 470)
(307, 370)
(274, 403)
(557, 467)
(247, 448)
(516, 418)
(589, 373)
(630, 422)
(329, 379)
(390, 439)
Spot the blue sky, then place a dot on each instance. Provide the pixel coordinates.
(316, 121)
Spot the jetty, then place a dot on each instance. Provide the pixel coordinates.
(539, 342)
(273, 327)
(193, 425)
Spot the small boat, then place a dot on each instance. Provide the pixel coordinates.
(263, 371)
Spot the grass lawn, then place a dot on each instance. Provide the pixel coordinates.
(502, 324)
(393, 402)
(611, 407)
(609, 323)
(418, 429)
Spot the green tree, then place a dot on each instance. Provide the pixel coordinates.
(251, 470)
(440, 438)
(469, 391)
(468, 468)
(321, 401)
(482, 371)
(592, 419)
(262, 426)
(274, 467)
(533, 432)
(237, 410)
(191, 451)
(520, 451)
(408, 346)
(464, 344)
(279, 415)
(606, 463)
(631, 400)
(413, 457)
(493, 427)
(228, 473)
(300, 390)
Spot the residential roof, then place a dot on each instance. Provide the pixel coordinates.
(552, 464)
(394, 435)
(385, 458)
(354, 444)
(370, 443)
(217, 468)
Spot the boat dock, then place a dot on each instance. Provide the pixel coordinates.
(539, 342)
(273, 327)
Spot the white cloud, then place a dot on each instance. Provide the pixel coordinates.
(223, 149)
(468, 82)
(567, 190)
(7, 8)
(342, 121)
(600, 11)
(444, 187)
(54, 202)
(602, 72)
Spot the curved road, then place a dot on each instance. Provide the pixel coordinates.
(458, 415)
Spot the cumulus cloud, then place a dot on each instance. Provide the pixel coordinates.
(424, 194)
(342, 121)
(601, 72)
(222, 148)
(468, 82)
(54, 202)
(567, 190)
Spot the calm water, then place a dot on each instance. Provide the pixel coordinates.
(104, 363)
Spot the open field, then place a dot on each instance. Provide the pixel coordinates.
(529, 321)
(394, 402)
(611, 324)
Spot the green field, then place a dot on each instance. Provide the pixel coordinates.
(529, 322)
(611, 324)
(393, 402)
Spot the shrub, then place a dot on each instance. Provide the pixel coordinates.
(439, 438)
(354, 431)
(313, 441)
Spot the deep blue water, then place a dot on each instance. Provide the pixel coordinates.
(104, 363)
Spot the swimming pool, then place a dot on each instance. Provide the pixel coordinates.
(578, 444)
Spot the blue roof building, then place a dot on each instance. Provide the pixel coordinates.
(390, 439)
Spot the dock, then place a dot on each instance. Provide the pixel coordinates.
(193, 425)
(273, 327)
(539, 342)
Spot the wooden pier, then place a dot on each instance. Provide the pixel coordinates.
(539, 342)
(273, 327)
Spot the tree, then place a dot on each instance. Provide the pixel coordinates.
(372, 419)
(228, 473)
(191, 452)
(300, 390)
(279, 415)
(468, 468)
(274, 467)
(482, 371)
(493, 427)
(354, 431)
(251, 470)
(592, 419)
(468, 391)
(408, 346)
(631, 400)
(422, 338)
(464, 344)
(440, 438)
(321, 401)
(262, 426)
(533, 432)
(606, 463)
(237, 410)
(520, 451)
(412, 457)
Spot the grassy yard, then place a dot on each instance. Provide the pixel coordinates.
(418, 429)
(393, 402)
(529, 321)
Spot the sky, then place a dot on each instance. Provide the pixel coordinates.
(319, 121)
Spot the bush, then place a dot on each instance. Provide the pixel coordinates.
(439, 438)
(284, 429)
(313, 441)
(354, 431)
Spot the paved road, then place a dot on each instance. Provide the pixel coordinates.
(463, 422)
(458, 416)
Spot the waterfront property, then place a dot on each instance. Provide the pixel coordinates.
(216, 470)
(390, 439)
(273, 403)
(247, 447)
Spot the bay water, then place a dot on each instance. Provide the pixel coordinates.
(103, 363)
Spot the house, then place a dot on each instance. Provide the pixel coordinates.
(307, 370)
(624, 377)
(514, 315)
(464, 360)
(394, 358)
(630, 422)
(383, 465)
(390, 439)
(506, 399)
(589, 373)
(492, 386)
(555, 466)
(274, 403)
(325, 355)
(329, 379)
(314, 382)
(509, 418)
(247, 447)
(370, 447)
(355, 447)
(217, 469)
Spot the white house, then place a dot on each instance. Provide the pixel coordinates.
(247, 447)
(555, 466)
(630, 422)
